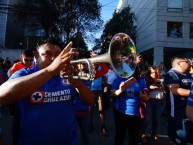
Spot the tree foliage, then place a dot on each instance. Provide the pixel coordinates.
(60, 18)
(120, 22)
(78, 42)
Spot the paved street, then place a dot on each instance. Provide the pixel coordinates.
(5, 124)
(96, 137)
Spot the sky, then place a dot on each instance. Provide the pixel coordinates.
(107, 9)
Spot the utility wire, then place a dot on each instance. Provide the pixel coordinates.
(108, 3)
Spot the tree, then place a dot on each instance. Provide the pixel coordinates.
(60, 18)
(97, 46)
(120, 22)
(79, 43)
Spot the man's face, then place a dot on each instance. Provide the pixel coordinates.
(83, 66)
(27, 60)
(95, 66)
(46, 54)
(184, 64)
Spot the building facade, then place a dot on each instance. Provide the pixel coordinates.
(164, 28)
(14, 35)
(12, 31)
(3, 22)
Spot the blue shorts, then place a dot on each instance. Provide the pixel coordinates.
(180, 131)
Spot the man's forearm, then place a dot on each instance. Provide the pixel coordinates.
(116, 93)
(181, 92)
(86, 95)
(176, 90)
(21, 87)
(123, 86)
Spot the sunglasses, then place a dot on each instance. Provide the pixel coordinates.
(186, 61)
(28, 60)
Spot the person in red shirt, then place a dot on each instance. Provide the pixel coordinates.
(26, 61)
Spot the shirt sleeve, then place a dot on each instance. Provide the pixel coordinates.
(171, 78)
(102, 71)
(116, 84)
(143, 83)
(13, 69)
(19, 73)
(16, 67)
(190, 98)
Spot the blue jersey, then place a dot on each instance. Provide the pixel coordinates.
(177, 104)
(47, 116)
(128, 101)
(190, 98)
(97, 83)
(78, 105)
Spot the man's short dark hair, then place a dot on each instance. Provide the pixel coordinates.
(178, 57)
(28, 53)
(50, 40)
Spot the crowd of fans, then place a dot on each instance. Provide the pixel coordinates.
(138, 101)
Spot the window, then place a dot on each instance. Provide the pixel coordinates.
(174, 29)
(191, 30)
(191, 5)
(175, 5)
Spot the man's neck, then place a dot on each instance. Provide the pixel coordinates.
(179, 70)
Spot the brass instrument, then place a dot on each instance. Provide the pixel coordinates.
(121, 56)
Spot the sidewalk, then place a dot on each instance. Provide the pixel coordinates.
(96, 137)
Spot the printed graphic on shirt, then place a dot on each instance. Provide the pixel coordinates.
(187, 81)
(37, 97)
(190, 99)
(136, 84)
(130, 92)
(45, 97)
(65, 82)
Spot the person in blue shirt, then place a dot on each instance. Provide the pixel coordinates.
(178, 83)
(45, 99)
(82, 111)
(189, 108)
(82, 114)
(127, 93)
(96, 88)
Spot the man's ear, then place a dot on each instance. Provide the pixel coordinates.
(179, 64)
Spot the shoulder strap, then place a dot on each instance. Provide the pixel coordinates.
(175, 74)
